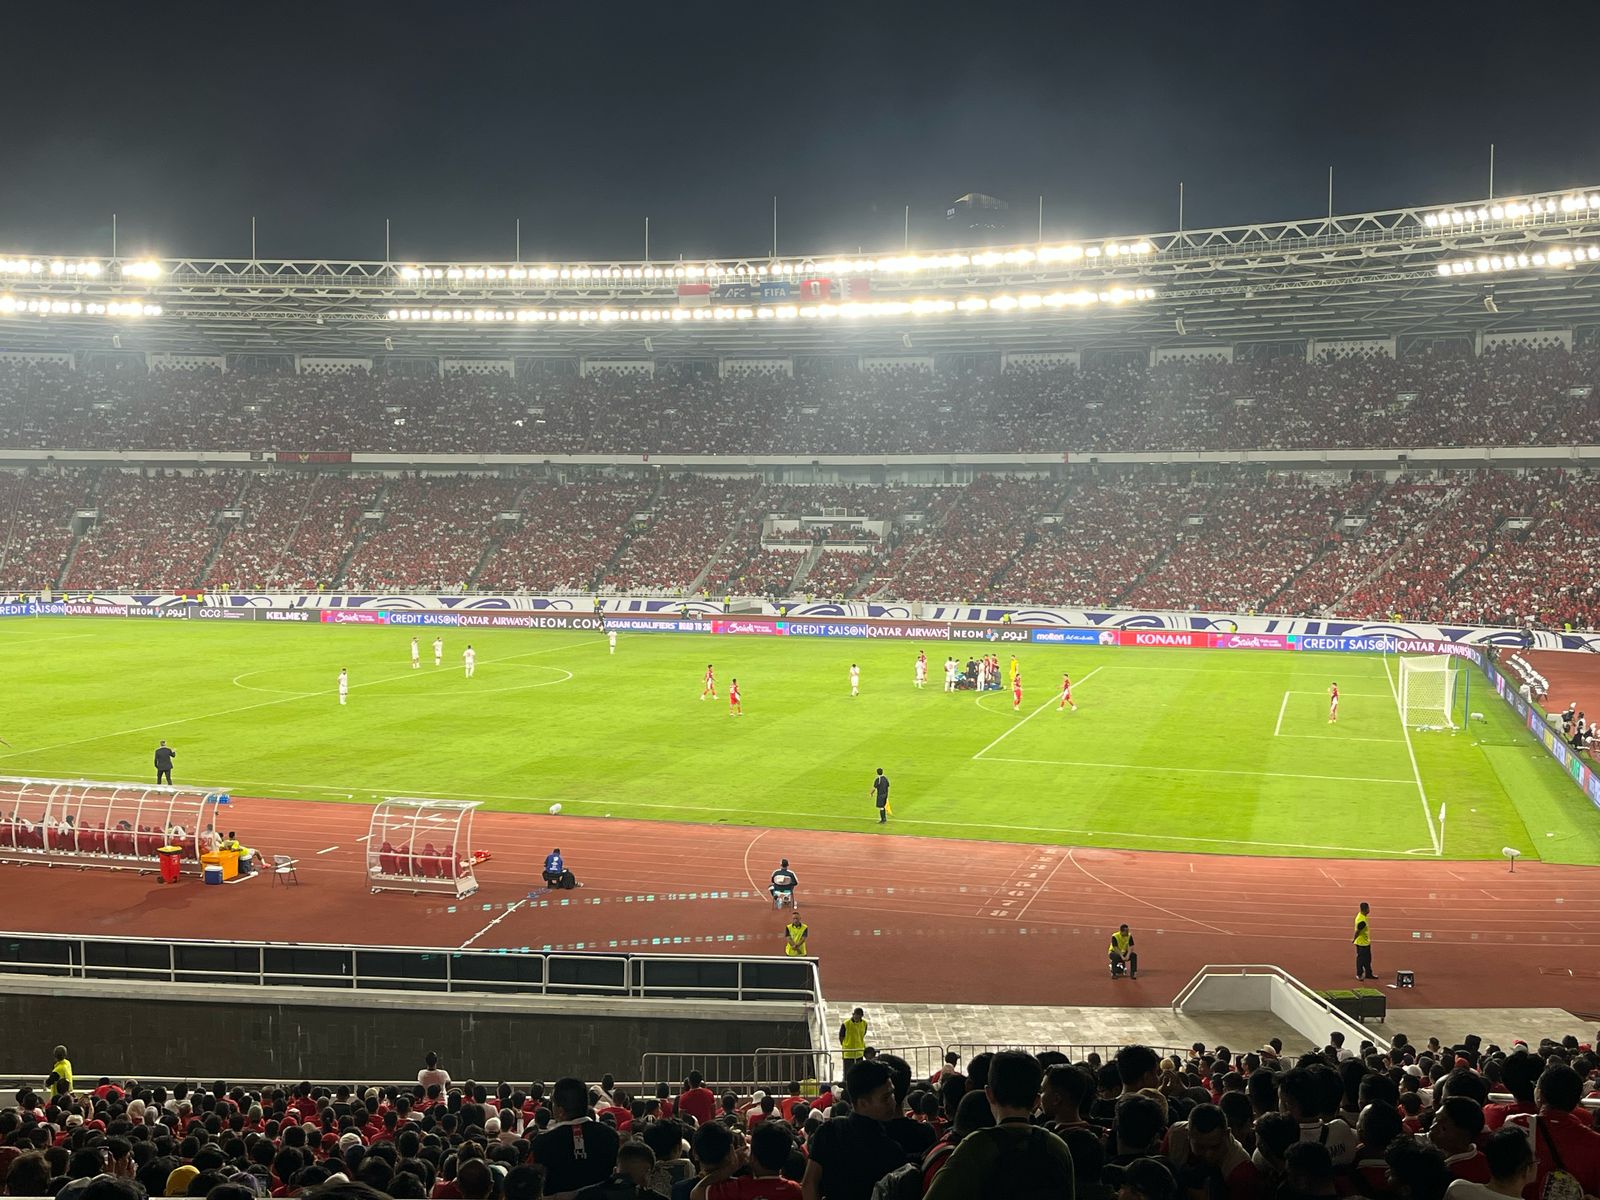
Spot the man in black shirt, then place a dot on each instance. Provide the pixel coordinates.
(164, 757)
(848, 1155)
(914, 1137)
(880, 792)
(576, 1151)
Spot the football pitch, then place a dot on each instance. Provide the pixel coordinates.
(1170, 749)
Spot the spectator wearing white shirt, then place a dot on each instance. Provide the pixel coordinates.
(433, 1075)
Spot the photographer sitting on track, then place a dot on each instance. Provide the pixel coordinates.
(783, 884)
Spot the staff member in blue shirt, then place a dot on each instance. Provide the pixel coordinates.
(554, 867)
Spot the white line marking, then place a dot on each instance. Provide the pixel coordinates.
(747, 850)
(1021, 912)
(329, 850)
(1339, 737)
(1138, 900)
(1110, 766)
(1427, 809)
(1277, 730)
(510, 908)
(1052, 700)
(26, 643)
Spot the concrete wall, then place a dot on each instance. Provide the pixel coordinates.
(369, 1037)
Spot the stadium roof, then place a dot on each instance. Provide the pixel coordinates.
(1523, 263)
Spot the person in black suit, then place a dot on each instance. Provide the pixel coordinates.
(164, 757)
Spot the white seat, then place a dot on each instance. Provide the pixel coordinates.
(283, 869)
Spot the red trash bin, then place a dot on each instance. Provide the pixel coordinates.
(171, 860)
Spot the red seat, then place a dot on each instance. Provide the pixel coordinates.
(8, 833)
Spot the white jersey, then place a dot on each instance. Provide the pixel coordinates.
(344, 683)
(855, 676)
(438, 649)
(416, 651)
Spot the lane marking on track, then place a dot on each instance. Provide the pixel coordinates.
(1177, 916)
(329, 850)
(514, 905)
(1052, 700)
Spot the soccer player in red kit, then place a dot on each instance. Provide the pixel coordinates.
(735, 708)
(1333, 704)
(1016, 691)
(710, 685)
(1066, 693)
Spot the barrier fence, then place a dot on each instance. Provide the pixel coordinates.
(412, 969)
(768, 1068)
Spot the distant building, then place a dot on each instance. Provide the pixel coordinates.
(979, 219)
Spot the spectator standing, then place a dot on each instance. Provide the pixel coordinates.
(576, 1150)
(853, 1037)
(1034, 1161)
(794, 936)
(1362, 939)
(849, 1155)
(697, 1100)
(770, 1147)
(164, 756)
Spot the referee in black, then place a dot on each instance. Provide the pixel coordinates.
(164, 757)
(880, 792)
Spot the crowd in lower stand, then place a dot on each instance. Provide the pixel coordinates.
(1467, 1121)
(1479, 547)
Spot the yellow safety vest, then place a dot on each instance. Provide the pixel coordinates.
(1120, 942)
(854, 1040)
(1363, 930)
(795, 945)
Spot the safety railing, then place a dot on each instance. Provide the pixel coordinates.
(767, 1068)
(1304, 998)
(924, 1061)
(412, 969)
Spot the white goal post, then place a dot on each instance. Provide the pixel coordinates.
(1427, 691)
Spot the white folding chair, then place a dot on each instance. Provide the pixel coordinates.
(283, 869)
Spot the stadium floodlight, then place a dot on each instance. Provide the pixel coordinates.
(141, 270)
(1427, 691)
(1488, 264)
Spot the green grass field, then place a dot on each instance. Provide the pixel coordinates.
(1210, 751)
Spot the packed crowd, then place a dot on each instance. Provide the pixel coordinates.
(1483, 547)
(1415, 1122)
(1505, 397)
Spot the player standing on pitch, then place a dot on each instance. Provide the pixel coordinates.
(438, 651)
(880, 795)
(344, 684)
(1333, 704)
(709, 687)
(470, 658)
(416, 655)
(611, 639)
(855, 680)
(1016, 687)
(922, 667)
(1066, 693)
(735, 705)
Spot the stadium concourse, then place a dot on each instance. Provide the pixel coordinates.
(902, 919)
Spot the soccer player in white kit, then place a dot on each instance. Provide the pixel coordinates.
(344, 685)
(922, 667)
(611, 637)
(470, 657)
(855, 680)
(416, 655)
(438, 652)
(949, 674)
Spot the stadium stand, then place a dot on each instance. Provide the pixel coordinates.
(1430, 1112)
(1504, 397)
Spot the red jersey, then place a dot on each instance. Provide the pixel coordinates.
(1066, 685)
(1016, 687)
(710, 675)
(733, 694)
(1333, 694)
(754, 1187)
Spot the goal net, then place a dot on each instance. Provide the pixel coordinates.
(1428, 691)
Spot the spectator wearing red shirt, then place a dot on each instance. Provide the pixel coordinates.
(620, 1108)
(1518, 1076)
(1561, 1141)
(786, 1105)
(697, 1100)
(1457, 1122)
(770, 1147)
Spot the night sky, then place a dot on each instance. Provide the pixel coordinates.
(455, 118)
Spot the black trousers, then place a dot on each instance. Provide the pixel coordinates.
(1133, 963)
(164, 776)
(1364, 963)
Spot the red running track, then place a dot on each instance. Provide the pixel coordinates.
(892, 918)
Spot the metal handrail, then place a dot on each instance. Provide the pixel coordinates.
(619, 976)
